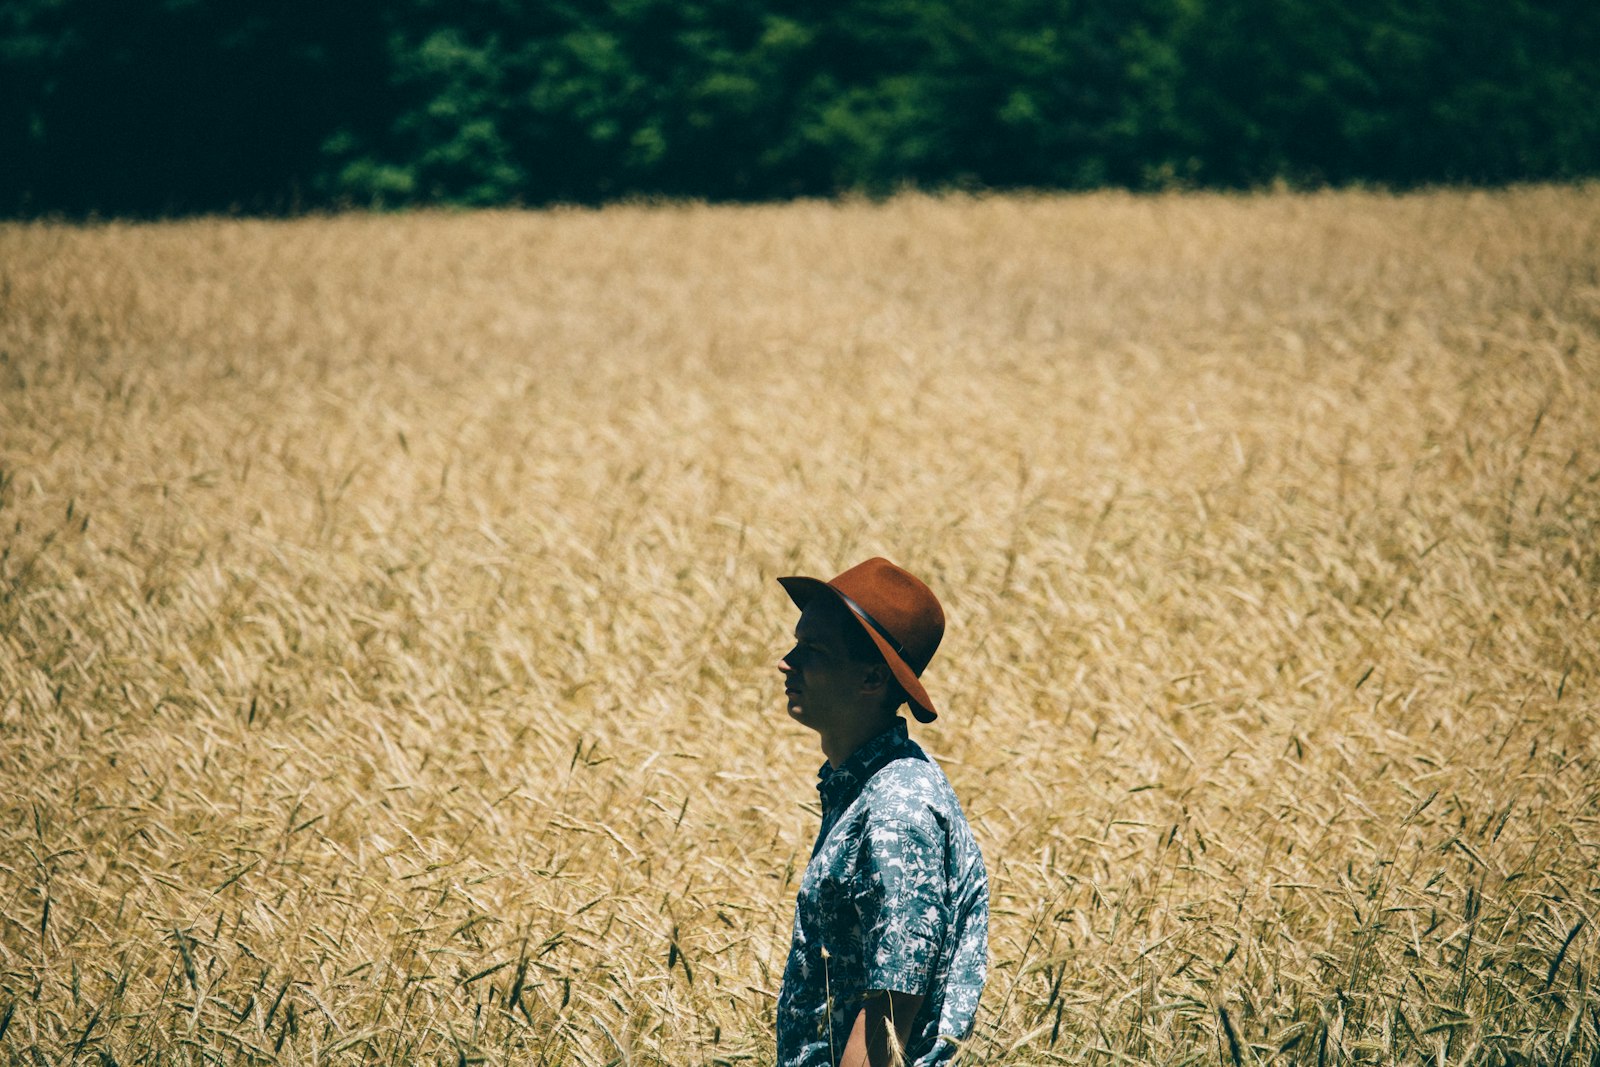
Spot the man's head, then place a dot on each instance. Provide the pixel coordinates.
(834, 677)
(881, 621)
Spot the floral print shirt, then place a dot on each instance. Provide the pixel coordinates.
(895, 898)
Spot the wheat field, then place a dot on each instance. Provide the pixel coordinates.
(388, 624)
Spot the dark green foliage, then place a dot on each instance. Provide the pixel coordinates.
(161, 106)
(1385, 90)
(174, 105)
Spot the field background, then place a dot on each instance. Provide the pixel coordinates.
(387, 620)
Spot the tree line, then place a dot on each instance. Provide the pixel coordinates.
(153, 107)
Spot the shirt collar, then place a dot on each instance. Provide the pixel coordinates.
(835, 783)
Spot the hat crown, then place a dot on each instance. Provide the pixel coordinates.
(900, 603)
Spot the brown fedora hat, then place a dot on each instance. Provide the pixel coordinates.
(899, 613)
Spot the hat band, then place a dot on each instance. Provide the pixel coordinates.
(877, 626)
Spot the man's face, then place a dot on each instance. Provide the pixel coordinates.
(822, 684)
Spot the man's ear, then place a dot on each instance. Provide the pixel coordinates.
(876, 678)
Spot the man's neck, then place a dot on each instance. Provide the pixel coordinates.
(840, 745)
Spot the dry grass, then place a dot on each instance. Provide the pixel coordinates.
(387, 621)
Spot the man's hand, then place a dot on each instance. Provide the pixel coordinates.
(869, 1044)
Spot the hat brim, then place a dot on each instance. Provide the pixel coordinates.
(802, 590)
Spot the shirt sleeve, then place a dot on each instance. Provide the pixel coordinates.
(901, 901)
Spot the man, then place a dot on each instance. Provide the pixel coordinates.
(891, 924)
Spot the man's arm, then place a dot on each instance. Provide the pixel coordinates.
(869, 1037)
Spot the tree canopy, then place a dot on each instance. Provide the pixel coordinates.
(173, 106)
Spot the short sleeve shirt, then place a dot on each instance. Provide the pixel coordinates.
(895, 898)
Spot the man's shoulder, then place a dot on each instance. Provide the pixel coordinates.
(911, 788)
(912, 767)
